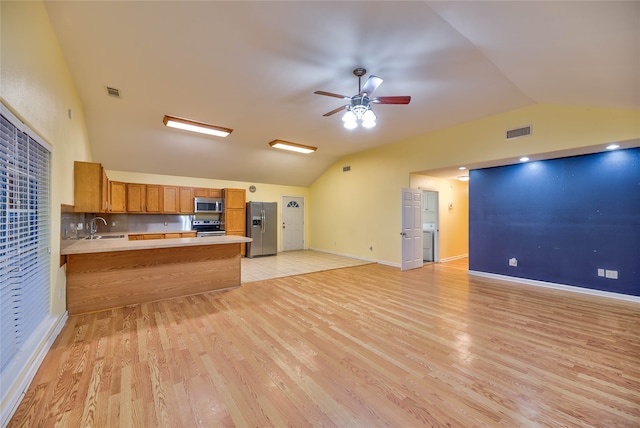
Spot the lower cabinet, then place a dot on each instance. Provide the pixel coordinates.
(146, 236)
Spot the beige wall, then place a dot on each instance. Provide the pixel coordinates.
(355, 209)
(35, 84)
(263, 193)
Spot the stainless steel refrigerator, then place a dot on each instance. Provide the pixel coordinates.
(262, 227)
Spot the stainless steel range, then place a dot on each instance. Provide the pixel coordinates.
(208, 228)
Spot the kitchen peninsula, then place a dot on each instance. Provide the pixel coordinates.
(109, 273)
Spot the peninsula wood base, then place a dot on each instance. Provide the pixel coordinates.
(106, 280)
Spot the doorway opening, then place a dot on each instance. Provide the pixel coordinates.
(430, 235)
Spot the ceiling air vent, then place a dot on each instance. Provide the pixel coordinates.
(346, 168)
(518, 132)
(113, 92)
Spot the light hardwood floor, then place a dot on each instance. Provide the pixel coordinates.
(365, 346)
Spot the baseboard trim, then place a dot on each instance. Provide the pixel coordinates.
(452, 258)
(52, 328)
(564, 287)
(344, 255)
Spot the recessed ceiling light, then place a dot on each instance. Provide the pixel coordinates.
(524, 159)
(462, 168)
(192, 125)
(612, 146)
(294, 147)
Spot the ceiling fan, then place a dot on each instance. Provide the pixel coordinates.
(359, 106)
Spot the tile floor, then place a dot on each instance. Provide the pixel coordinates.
(289, 263)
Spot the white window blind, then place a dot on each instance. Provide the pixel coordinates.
(24, 240)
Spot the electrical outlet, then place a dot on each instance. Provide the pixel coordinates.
(80, 226)
(513, 261)
(611, 274)
(600, 272)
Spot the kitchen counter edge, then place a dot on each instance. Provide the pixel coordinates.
(104, 246)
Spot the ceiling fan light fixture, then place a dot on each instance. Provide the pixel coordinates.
(193, 126)
(294, 147)
(358, 107)
(369, 116)
(368, 123)
(349, 116)
(351, 124)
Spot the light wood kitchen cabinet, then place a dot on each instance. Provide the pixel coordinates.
(186, 204)
(148, 236)
(180, 235)
(105, 194)
(90, 187)
(118, 195)
(136, 199)
(153, 198)
(201, 192)
(170, 199)
(235, 217)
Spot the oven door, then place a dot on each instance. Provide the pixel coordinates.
(205, 233)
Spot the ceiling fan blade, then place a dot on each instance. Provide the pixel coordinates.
(391, 100)
(330, 94)
(370, 85)
(334, 111)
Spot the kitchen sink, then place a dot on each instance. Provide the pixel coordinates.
(105, 237)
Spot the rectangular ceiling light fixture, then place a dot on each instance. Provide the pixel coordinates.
(294, 147)
(192, 125)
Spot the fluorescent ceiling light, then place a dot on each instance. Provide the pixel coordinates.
(294, 147)
(191, 125)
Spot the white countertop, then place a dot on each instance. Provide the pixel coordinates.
(85, 246)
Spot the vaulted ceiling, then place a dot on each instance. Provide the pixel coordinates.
(253, 67)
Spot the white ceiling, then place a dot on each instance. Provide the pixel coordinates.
(253, 67)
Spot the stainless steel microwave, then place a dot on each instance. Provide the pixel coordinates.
(208, 205)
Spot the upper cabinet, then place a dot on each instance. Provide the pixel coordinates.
(90, 187)
(200, 192)
(177, 200)
(95, 193)
(153, 198)
(186, 204)
(118, 197)
(170, 199)
(136, 200)
(234, 198)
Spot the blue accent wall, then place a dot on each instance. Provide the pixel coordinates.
(562, 219)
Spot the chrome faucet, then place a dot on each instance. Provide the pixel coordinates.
(94, 227)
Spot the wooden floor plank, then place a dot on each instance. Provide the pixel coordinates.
(361, 346)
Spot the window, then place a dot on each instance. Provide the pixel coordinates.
(24, 245)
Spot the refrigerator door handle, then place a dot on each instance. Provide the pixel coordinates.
(264, 220)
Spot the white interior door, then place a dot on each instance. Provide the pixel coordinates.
(292, 223)
(411, 229)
